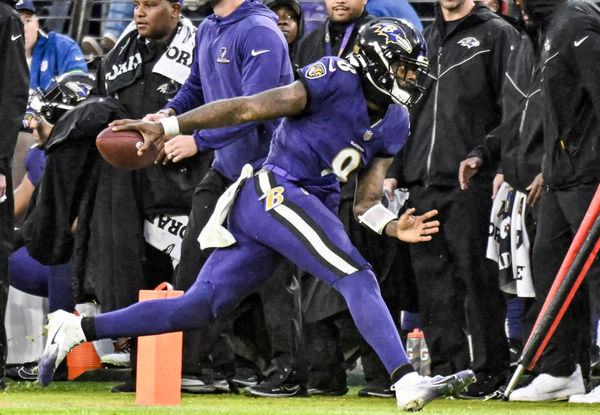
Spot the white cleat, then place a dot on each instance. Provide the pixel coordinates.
(414, 391)
(591, 397)
(551, 388)
(64, 333)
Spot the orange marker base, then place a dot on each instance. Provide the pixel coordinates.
(82, 358)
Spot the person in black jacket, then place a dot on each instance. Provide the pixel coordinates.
(517, 144)
(14, 87)
(336, 36)
(571, 173)
(291, 21)
(457, 285)
(160, 42)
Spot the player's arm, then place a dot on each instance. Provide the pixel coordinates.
(274, 103)
(22, 195)
(369, 211)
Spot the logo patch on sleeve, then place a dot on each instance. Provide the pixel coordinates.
(316, 70)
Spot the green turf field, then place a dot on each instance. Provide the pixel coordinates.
(96, 398)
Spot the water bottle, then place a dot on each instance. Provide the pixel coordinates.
(425, 365)
(413, 348)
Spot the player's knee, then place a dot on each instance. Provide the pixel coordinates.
(360, 284)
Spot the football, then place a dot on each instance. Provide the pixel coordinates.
(119, 148)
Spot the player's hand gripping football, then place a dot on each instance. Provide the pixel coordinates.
(410, 228)
(151, 131)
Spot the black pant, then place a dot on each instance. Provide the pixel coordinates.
(560, 214)
(457, 285)
(197, 344)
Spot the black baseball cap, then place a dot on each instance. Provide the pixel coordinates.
(292, 4)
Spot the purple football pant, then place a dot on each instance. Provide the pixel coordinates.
(52, 281)
(270, 218)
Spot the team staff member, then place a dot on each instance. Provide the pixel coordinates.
(239, 51)
(571, 173)
(518, 145)
(280, 295)
(14, 81)
(160, 43)
(468, 50)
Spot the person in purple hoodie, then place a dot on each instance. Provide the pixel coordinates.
(341, 115)
(240, 51)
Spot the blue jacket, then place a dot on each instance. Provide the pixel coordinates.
(240, 54)
(54, 54)
(394, 8)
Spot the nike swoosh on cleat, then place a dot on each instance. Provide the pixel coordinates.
(55, 333)
(259, 52)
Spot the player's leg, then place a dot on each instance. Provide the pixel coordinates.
(301, 228)
(52, 281)
(27, 274)
(228, 276)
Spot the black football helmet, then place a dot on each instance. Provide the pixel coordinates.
(381, 47)
(64, 93)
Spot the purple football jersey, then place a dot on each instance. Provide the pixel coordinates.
(35, 162)
(334, 135)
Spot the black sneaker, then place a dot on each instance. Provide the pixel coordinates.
(193, 384)
(245, 377)
(377, 389)
(484, 386)
(127, 387)
(24, 372)
(269, 389)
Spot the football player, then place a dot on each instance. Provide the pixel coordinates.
(341, 115)
(44, 112)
